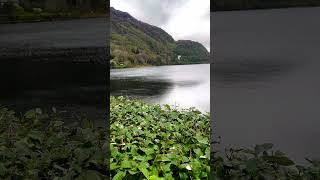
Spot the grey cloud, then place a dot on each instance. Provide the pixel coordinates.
(156, 11)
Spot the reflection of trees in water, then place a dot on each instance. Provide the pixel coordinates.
(249, 71)
(139, 87)
(27, 85)
(22, 76)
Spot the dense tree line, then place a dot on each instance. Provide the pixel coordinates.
(53, 5)
(43, 10)
(221, 5)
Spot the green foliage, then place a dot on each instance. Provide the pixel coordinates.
(12, 9)
(137, 48)
(191, 52)
(153, 142)
(40, 146)
(260, 163)
(146, 142)
(26, 11)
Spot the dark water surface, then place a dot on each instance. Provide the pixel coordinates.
(265, 80)
(58, 64)
(183, 86)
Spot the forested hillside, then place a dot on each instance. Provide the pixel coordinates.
(135, 43)
(16, 11)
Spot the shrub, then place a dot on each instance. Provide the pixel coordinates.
(153, 142)
(146, 142)
(12, 9)
(260, 163)
(40, 146)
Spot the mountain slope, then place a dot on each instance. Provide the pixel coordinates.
(191, 52)
(135, 43)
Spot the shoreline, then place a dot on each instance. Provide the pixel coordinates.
(264, 8)
(50, 17)
(136, 67)
(50, 20)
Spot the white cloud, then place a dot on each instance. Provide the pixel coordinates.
(182, 19)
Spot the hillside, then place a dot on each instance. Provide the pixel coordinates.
(18, 11)
(191, 52)
(135, 43)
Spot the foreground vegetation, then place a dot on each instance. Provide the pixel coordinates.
(146, 142)
(153, 142)
(261, 163)
(40, 146)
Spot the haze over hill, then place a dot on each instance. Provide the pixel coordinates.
(135, 43)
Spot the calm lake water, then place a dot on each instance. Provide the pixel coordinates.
(182, 86)
(266, 79)
(55, 64)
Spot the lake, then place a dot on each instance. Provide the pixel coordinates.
(58, 64)
(266, 79)
(182, 86)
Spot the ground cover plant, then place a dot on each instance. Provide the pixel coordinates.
(147, 142)
(261, 163)
(40, 146)
(153, 142)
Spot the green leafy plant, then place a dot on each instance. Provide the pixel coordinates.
(40, 146)
(153, 142)
(260, 163)
(146, 142)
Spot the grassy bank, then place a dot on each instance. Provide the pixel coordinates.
(44, 16)
(114, 65)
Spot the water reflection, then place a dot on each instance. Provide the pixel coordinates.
(138, 87)
(250, 71)
(79, 88)
(183, 86)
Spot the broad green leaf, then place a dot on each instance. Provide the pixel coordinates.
(145, 172)
(126, 164)
(153, 177)
(119, 176)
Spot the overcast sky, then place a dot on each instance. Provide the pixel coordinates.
(182, 19)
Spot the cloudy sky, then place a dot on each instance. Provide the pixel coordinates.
(182, 19)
